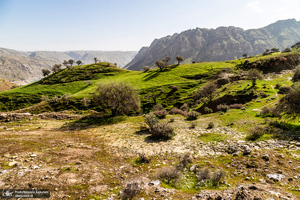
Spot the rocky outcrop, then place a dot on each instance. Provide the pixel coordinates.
(223, 43)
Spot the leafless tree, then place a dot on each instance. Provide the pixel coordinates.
(179, 59)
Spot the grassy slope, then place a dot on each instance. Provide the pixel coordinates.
(82, 81)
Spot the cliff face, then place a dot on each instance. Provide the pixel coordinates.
(223, 43)
(25, 67)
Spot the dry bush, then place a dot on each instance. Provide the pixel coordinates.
(204, 174)
(119, 98)
(54, 99)
(172, 120)
(162, 131)
(223, 107)
(146, 68)
(169, 175)
(210, 125)
(131, 190)
(66, 98)
(184, 107)
(296, 76)
(174, 88)
(143, 159)
(208, 110)
(44, 98)
(161, 114)
(277, 86)
(256, 132)
(175, 111)
(193, 125)
(217, 177)
(193, 115)
(236, 106)
(157, 107)
(185, 160)
(209, 91)
(86, 101)
(151, 120)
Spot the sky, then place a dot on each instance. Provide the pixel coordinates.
(125, 25)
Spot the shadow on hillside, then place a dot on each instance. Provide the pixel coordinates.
(93, 120)
(151, 76)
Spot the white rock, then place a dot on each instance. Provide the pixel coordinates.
(275, 177)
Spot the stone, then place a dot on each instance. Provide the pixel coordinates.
(275, 177)
(156, 182)
(246, 151)
(12, 164)
(193, 168)
(266, 157)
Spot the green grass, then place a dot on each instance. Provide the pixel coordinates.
(212, 137)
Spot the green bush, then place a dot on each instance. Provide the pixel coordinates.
(208, 110)
(151, 120)
(193, 115)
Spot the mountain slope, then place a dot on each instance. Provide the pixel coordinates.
(223, 43)
(25, 67)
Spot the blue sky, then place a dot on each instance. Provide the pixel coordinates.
(61, 25)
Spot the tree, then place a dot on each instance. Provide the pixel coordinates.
(253, 75)
(78, 62)
(71, 61)
(160, 64)
(119, 98)
(289, 105)
(95, 59)
(166, 59)
(46, 72)
(66, 63)
(245, 55)
(179, 59)
(56, 68)
(275, 49)
(208, 91)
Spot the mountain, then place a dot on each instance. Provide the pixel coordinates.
(25, 67)
(222, 43)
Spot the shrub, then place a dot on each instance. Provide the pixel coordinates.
(193, 125)
(162, 131)
(54, 99)
(131, 190)
(172, 120)
(236, 106)
(146, 68)
(256, 132)
(217, 177)
(44, 98)
(204, 175)
(223, 107)
(296, 76)
(66, 98)
(185, 160)
(277, 86)
(175, 111)
(284, 90)
(253, 75)
(272, 59)
(210, 125)
(119, 98)
(157, 107)
(208, 110)
(161, 114)
(209, 91)
(283, 59)
(143, 159)
(184, 107)
(265, 111)
(151, 120)
(169, 175)
(86, 101)
(193, 115)
(174, 88)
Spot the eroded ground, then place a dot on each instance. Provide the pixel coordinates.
(83, 161)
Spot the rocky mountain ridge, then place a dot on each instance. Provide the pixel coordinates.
(222, 43)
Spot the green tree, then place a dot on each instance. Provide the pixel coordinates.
(71, 62)
(79, 62)
(179, 59)
(46, 72)
(119, 98)
(160, 64)
(253, 75)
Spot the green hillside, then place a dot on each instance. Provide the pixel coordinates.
(82, 81)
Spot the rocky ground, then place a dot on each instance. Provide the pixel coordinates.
(83, 161)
